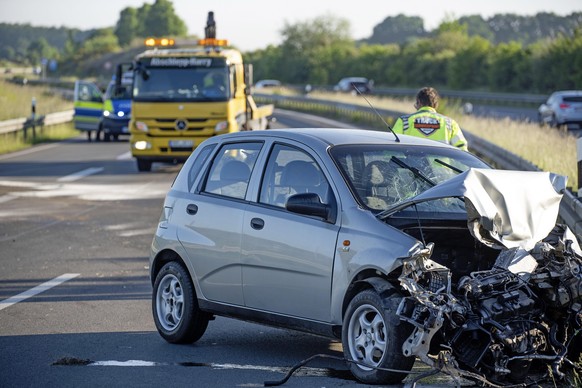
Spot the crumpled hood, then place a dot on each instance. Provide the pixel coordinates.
(513, 208)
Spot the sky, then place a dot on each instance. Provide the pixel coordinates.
(255, 24)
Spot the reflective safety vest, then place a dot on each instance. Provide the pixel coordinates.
(429, 124)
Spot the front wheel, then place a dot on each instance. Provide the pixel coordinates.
(175, 308)
(373, 335)
(144, 165)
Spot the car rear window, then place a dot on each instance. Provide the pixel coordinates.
(572, 99)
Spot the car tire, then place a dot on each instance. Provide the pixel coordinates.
(373, 334)
(144, 165)
(554, 122)
(106, 137)
(177, 316)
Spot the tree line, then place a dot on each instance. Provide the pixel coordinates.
(320, 52)
(24, 44)
(506, 52)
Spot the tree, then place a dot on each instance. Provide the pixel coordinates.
(476, 26)
(142, 14)
(510, 68)
(469, 69)
(161, 20)
(309, 48)
(40, 49)
(397, 29)
(102, 41)
(126, 28)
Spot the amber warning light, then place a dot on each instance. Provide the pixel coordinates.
(213, 42)
(154, 42)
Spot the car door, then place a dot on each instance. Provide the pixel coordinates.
(287, 258)
(210, 222)
(88, 104)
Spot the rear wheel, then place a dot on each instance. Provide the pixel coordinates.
(144, 165)
(373, 335)
(175, 307)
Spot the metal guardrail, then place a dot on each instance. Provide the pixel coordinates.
(15, 125)
(465, 96)
(570, 207)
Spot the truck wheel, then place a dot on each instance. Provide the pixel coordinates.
(144, 165)
(373, 335)
(177, 316)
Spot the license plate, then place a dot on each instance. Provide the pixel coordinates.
(125, 130)
(181, 143)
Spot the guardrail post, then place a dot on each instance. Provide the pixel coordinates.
(33, 117)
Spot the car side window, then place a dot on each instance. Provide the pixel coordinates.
(291, 171)
(197, 165)
(231, 169)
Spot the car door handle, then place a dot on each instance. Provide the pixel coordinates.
(191, 209)
(257, 223)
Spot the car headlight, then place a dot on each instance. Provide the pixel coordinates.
(142, 145)
(106, 113)
(141, 126)
(120, 113)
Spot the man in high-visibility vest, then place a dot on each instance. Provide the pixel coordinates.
(429, 124)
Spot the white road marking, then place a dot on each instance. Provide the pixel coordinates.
(32, 185)
(6, 198)
(81, 174)
(37, 290)
(125, 156)
(303, 371)
(125, 363)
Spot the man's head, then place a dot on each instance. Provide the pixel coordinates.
(427, 96)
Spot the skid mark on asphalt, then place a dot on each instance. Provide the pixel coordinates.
(37, 290)
(89, 192)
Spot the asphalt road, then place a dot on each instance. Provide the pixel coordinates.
(76, 222)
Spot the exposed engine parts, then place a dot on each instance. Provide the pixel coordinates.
(495, 325)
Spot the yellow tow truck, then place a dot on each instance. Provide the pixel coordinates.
(182, 96)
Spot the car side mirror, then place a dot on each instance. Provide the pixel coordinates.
(308, 204)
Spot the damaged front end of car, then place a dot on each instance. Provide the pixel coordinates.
(494, 325)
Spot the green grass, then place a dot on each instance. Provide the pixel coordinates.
(15, 141)
(16, 100)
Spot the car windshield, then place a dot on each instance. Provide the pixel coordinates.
(381, 176)
(182, 84)
(122, 92)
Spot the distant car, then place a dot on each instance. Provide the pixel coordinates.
(562, 108)
(268, 83)
(353, 84)
(402, 248)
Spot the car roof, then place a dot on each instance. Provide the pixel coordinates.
(354, 79)
(335, 136)
(568, 92)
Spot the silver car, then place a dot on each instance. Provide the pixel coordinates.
(402, 247)
(562, 108)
